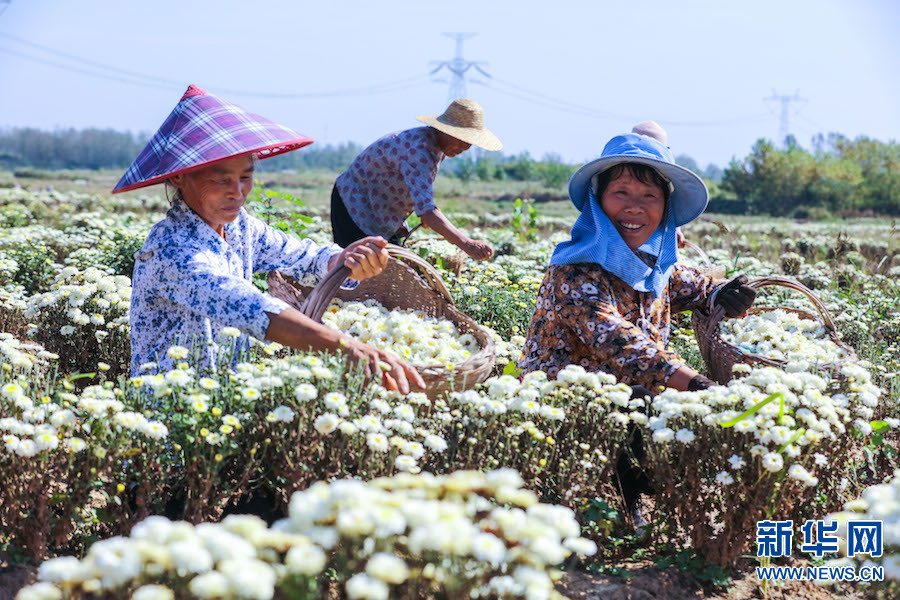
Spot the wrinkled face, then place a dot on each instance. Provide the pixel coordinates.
(217, 193)
(450, 145)
(635, 208)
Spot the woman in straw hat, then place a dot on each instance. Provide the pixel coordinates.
(606, 300)
(193, 277)
(394, 177)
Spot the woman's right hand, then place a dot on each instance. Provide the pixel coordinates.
(395, 374)
(477, 249)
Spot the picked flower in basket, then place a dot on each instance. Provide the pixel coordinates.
(771, 336)
(400, 287)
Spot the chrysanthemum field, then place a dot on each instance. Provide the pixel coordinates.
(119, 487)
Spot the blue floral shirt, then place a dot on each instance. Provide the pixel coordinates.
(189, 283)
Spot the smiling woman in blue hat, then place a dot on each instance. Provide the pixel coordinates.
(606, 300)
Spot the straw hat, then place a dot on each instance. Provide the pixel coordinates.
(646, 145)
(464, 120)
(201, 130)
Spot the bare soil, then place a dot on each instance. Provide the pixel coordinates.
(646, 582)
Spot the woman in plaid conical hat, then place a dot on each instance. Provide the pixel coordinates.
(193, 276)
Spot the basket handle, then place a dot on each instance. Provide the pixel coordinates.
(409, 234)
(700, 252)
(775, 280)
(320, 296)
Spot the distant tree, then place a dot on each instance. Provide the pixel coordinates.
(712, 172)
(770, 180)
(687, 162)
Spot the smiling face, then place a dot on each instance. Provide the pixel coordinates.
(634, 199)
(217, 193)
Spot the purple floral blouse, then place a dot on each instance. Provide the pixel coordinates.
(390, 179)
(587, 316)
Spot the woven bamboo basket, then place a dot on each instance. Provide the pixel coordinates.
(721, 356)
(399, 286)
(452, 262)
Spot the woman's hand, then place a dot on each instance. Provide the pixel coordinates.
(365, 258)
(394, 374)
(477, 249)
(736, 297)
(686, 379)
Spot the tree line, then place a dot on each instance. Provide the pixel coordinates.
(837, 175)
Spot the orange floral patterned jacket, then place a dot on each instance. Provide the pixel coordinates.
(587, 316)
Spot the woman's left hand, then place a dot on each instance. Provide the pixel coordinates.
(736, 297)
(365, 258)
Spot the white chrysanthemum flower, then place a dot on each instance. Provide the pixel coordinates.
(488, 548)
(189, 556)
(75, 445)
(40, 591)
(305, 559)
(178, 352)
(405, 463)
(27, 448)
(326, 423)
(736, 462)
(208, 384)
(663, 435)
(724, 478)
(305, 392)
(685, 436)
(435, 443)
(580, 546)
(153, 592)
(773, 462)
(283, 414)
(209, 586)
(799, 473)
(365, 587)
(378, 442)
(387, 568)
(65, 569)
(12, 391)
(230, 332)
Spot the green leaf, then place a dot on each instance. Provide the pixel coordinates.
(512, 369)
(793, 439)
(880, 426)
(754, 409)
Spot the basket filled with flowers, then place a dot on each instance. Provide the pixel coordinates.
(771, 336)
(406, 309)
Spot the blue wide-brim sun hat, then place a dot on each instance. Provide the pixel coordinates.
(689, 195)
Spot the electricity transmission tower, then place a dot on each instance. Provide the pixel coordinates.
(783, 126)
(458, 66)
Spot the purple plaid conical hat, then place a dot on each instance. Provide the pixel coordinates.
(203, 130)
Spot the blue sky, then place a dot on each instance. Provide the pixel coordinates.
(565, 76)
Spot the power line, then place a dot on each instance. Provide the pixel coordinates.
(133, 78)
(542, 99)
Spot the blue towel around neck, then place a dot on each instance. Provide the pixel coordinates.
(596, 240)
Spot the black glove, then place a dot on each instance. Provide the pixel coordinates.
(700, 382)
(736, 297)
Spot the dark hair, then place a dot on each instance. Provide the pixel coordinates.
(643, 173)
